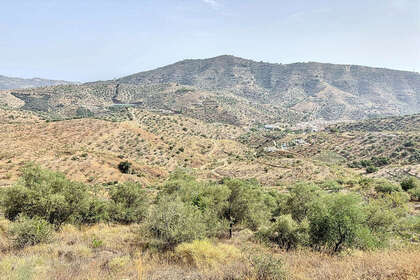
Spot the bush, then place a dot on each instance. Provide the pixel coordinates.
(205, 254)
(410, 183)
(415, 193)
(286, 232)
(129, 203)
(380, 161)
(338, 221)
(27, 232)
(45, 194)
(222, 205)
(125, 167)
(173, 222)
(371, 169)
(210, 198)
(385, 186)
(96, 211)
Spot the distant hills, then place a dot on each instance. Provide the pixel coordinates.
(17, 83)
(238, 91)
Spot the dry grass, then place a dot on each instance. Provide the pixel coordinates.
(388, 264)
(113, 252)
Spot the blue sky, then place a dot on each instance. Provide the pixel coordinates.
(87, 40)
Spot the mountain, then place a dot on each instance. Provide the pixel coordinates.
(15, 83)
(237, 91)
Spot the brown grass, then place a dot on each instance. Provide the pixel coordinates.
(114, 252)
(387, 264)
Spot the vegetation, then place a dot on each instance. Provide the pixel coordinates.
(27, 232)
(45, 194)
(209, 225)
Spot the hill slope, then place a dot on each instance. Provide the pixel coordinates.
(15, 83)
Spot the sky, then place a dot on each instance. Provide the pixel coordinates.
(89, 40)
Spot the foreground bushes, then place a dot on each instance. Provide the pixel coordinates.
(26, 231)
(45, 194)
(128, 203)
(185, 209)
(173, 222)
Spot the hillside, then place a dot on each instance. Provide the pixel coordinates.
(90, 150)
(237, 91)
(16, 83)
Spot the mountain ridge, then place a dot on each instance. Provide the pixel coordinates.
(239, 91)
(7, 82)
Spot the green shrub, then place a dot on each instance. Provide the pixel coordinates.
(222, 205)
(415, 193)
(95, 211)
(129, 203)
(385, 186)
(410, 183)
(45, 194)
(210, 198)
(125, 167)
(27, 232)
(286, 232)
(380, 161)
(371, 169)
(173, 222)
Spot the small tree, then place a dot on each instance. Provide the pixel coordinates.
(338, 221)
(302, 196)
(245, 204)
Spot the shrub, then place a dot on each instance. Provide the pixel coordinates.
(415, 193)
(371, 169)
(45, 194)
(210, 198)
(385, 186)
(286, 232)
(410, 183)
(338, 221)
(205, 254)
(380, 161)
(129, 203)
(125, 167)
(27, 232)
(173, 222)
(95, 211)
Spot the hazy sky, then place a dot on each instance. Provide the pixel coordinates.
(87, 40)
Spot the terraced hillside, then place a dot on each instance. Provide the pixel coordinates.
(90, 149)
(392, 145)
(237, 91)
